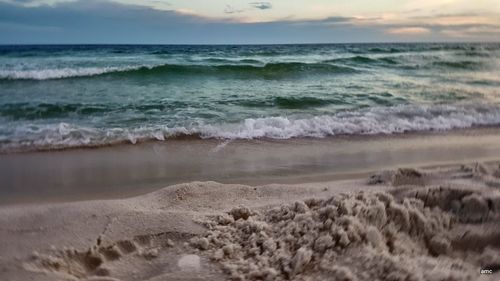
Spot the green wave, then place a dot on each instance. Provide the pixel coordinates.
(32, 111)
(465, 64)
(302, 102)
(289, 102)
(360, 60)
(269, 70)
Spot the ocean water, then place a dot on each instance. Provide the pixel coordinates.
(73, 96)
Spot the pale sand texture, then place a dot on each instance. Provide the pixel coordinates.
(440, 223)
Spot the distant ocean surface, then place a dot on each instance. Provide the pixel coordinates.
(84, 95)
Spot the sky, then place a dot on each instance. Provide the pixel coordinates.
(246, 22)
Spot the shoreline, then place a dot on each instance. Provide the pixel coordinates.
(198, 137)
(130, 170)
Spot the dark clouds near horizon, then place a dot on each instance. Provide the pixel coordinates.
(96, 22)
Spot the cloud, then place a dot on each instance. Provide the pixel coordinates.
(34, 3)
(160, 2)
(261, 5)
(106, 21)
(21, 2)
(460, 26)
(232, 10)
(253, 5)
(459, 19)
(486, 31)
(408, 31)
(98, 21)
(332, 20)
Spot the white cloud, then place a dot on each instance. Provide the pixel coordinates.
(408, 31)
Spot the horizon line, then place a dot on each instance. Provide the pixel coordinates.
(246, 44)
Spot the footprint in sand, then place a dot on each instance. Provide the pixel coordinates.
(91, 264)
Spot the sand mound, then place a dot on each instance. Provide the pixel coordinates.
(467, 205)
(347, 237)
(402, 176)
(487, 174)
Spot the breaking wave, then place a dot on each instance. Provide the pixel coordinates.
(379, 120)
(265, 70)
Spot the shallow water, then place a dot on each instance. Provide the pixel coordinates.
(69, 96)
(129, 170)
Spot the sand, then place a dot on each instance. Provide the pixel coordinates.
(434, 223)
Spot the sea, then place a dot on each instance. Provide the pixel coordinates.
(65, 96)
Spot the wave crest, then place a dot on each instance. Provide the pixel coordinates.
(381, 120)
(59, 73)
(266, 70)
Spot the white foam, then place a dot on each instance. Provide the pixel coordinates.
(384, 120)
(59, 73)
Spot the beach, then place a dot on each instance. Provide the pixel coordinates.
(410, 207)
(270, 140)
(375, 161)
(433, 224)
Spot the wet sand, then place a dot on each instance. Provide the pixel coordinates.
(129, 170)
